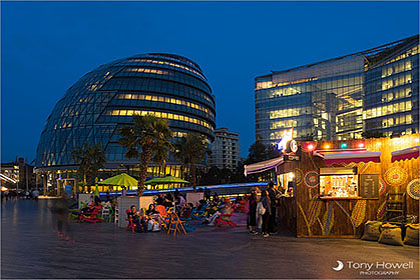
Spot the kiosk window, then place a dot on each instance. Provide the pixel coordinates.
(339, 182)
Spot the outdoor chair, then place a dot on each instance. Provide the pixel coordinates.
(175, 224)
(163, 213)
(105, 212)
(73, 214)
(91, 217)
(111, 215)
(224, 219)
(199, 214)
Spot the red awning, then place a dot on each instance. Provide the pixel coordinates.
(263, 165)
(349, 156)
(409, 153)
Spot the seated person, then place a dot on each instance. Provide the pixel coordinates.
(151, 210)
(139, 220)
(201, 205)
(89, 209)
(179, 203)
(227, 210)
(152, 213)
(186, 211)
(161, 199)
(168, 203)
(216, 198)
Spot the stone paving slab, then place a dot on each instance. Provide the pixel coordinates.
(32, 250)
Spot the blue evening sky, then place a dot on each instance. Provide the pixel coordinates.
(48, 46)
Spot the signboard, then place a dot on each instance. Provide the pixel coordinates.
(194, 198)
(291, 157)
(369, 186)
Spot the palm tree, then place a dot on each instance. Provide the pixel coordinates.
(90, 159)
(192, 149)
(148, 138)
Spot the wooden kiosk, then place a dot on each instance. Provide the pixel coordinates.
(339, 185)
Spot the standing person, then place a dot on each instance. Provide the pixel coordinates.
(252, 213)
(272, 193)
(60, 209)
(207, 194)
(266, 203)
(35, 194)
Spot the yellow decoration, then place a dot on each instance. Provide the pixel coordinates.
(359, 212)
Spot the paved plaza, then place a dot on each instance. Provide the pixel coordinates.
(31, 249)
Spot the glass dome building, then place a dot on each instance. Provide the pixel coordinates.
(95, 107)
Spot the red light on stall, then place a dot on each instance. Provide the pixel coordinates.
(310, 147)
(326, 146)
(361, 145)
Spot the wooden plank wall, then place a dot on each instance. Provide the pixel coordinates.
(345, 218)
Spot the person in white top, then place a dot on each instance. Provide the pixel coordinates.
(180, 203)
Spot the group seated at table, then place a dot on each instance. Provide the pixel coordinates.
(88, 207)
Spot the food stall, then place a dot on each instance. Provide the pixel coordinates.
(339, 185)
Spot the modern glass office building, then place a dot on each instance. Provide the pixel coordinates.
(391, 103)
(335, 99)
(102, 101)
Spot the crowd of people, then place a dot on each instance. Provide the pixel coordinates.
(260, 206)
(262, 211)
(13, 194)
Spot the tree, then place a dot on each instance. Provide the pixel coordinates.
(192, 149)
(148, 138)
(90, 159)
(257, 153)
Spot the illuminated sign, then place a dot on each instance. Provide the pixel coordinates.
(287, 137)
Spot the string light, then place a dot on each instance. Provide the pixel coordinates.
(361, 145)
(343, 145)
(326, 146)
(310, 147)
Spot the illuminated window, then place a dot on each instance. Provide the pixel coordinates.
(166, 100)
(159, 115)
(408, 105)
(168, 63)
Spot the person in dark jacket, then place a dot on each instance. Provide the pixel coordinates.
(272, 193)
(266, 202)
(252, 214)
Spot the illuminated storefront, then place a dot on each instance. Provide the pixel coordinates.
(339, 185)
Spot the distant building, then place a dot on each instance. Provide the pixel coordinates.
(19, 171)
(104, 100)
(372, 92)
(226, 149)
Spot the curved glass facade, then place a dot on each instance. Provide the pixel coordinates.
(95, 107)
